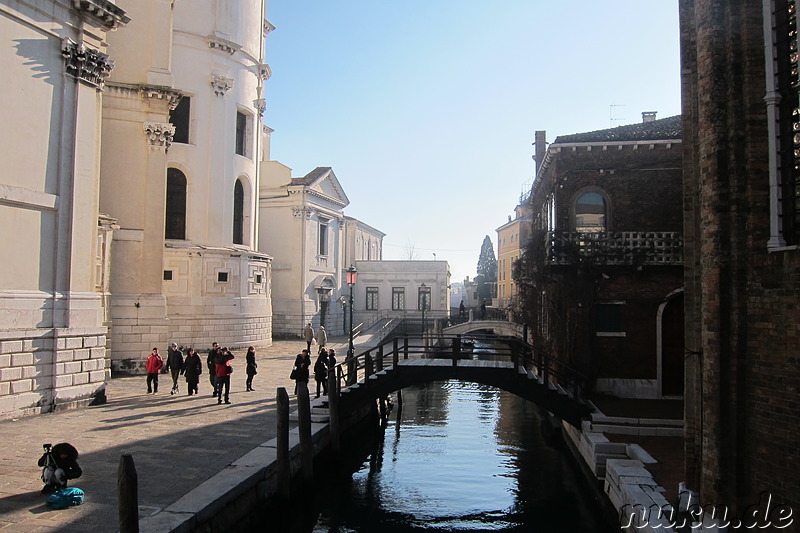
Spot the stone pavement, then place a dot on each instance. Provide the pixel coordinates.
(177, 442)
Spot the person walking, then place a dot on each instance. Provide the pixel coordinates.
(462, 311)
(322, 338)
(174, 365)
(251, 371)
(321, 372)
(308, 335)
(300, 372)
(483, 310)
(153, 367)
(211, 363)
(223, 371)
(192, 368)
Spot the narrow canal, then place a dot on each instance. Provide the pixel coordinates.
(458, 457)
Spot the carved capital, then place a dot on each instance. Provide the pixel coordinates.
(264, 71)
(86, 64)
(106, 14)
(299, 211)
(159, 134)
(260, 105)
(162, 92)
(221, 84)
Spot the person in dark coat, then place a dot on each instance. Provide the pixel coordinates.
(211, 363)
(300, 373)
(174, 365)
(60, 464)
(192, 368)
(321, 372)
(251, 371)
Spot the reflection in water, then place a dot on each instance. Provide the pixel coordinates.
(462, 457)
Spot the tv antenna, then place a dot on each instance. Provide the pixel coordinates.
(611, 117)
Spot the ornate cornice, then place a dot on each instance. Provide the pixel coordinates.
(86, 64)
(159, 134)
(222, 45)
(221, 84)
(104, 12)
(162, 92)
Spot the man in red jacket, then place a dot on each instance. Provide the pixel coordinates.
(223, 372)
(153, 367)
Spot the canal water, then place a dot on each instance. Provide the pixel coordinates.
(458, 457)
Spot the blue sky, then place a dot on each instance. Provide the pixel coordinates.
(426, 109)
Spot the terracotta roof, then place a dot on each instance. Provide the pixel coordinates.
(663, 129)
(311, 177)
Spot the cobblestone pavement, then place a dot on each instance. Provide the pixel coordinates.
(177, 442)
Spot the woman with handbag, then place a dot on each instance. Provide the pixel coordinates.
(300, 371)
(251, 371)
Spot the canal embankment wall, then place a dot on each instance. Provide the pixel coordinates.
(620, 472)
(228, 499)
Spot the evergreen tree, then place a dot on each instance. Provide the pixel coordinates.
(487, 263)
(487, 270)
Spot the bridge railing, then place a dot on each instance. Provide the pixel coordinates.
(388, 355)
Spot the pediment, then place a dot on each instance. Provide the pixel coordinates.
(323, 182)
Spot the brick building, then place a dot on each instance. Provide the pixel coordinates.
(603, 277)
(741, 194)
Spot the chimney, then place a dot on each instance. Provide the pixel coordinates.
(648, 116)
(540, 148)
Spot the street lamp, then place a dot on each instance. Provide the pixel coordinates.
(352, 276)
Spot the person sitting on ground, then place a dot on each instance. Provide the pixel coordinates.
(60, 464)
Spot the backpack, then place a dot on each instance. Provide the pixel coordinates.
(67, 497)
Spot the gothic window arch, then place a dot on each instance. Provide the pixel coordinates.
(175, 219)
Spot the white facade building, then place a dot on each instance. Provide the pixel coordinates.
(182, 139)
(53, 280)
(362, 242)
(395, 288)
(302, 227)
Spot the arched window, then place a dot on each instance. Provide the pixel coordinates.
(590, 212)
(238, 213)
(175, 223)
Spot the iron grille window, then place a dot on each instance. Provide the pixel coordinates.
(372, 298)
(787, 66)
(398, 298)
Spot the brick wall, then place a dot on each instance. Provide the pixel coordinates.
(742, 303)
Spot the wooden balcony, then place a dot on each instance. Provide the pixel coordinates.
(615, 248)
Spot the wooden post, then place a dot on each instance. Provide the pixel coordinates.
(128, 489)
(306, 446)
(284, 473)
(333, 411)
(380, 358)
(456, 350)
(399, 403)
(405, 347)
(395, 353)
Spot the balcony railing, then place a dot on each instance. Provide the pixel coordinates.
(615, 248)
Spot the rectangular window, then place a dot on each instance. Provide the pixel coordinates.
(398, 298)
(424, 299)
(179, 117)
(242, 134)
(168, 275)
(323, 236)
(372, 298)
(222, 277)
(609, 319)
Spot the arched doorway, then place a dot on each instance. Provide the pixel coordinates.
(671, 345)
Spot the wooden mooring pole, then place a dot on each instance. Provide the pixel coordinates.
(306, 445)
(284, 474)
(333, 411)
(128, 491)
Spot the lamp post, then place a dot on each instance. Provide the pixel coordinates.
(352, 276)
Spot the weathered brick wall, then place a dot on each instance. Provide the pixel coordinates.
(742, 303)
